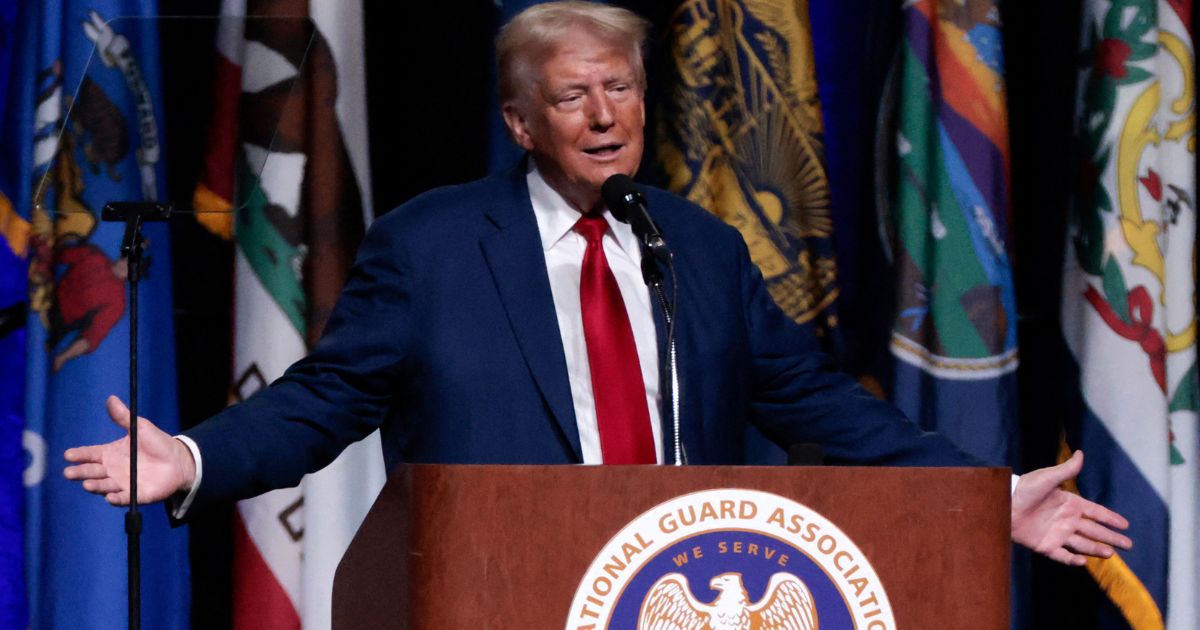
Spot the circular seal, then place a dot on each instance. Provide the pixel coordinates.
(730, 558)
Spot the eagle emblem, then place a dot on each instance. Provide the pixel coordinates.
(787, 604)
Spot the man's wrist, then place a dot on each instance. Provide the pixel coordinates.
(194, 476)
(187, 466)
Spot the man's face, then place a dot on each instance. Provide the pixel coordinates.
(583, 119)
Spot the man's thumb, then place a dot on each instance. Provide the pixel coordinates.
(118, 412)
(1069, 469)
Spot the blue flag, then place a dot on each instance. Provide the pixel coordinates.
(13, 237)
(91, 97)
(740, 134)
(852, 55)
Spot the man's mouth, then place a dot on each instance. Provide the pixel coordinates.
(603, 150)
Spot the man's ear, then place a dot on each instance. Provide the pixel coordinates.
(515, 120)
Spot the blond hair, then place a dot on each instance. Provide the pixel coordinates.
(532, 34)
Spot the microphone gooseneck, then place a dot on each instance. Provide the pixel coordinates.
(628, 205)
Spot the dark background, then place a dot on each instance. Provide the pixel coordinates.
(429, 68)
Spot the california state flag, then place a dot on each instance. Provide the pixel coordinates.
(286, 178)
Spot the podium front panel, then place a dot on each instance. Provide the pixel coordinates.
(525, 546)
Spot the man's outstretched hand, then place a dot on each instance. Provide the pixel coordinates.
(1062, 525)
(165, 465)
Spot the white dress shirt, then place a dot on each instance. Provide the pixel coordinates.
(564, 248)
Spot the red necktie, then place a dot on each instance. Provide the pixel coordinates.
(620, 394)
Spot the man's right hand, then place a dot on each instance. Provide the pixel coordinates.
(165, 465)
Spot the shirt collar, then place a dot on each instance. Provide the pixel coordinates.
(556, 218)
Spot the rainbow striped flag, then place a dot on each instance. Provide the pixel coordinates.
(954, 334)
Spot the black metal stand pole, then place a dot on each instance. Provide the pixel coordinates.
(132, 249)
(133, 214)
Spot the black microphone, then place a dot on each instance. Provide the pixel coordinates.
(628, 205)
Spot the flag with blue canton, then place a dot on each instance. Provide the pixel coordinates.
(14, 235)
(93, 100)
(954, 334)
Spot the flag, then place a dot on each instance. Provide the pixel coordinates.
(954, 327)
(92, 121)
(954, 333)
(1128, 309)
(854, 45)
(739, 133)
(296, 215)
(14, 237)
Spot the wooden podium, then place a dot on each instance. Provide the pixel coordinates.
(507, 546)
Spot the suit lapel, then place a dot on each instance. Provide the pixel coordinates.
(518, 266)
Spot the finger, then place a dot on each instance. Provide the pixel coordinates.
(1101, 514)
(118, 412)
(86, 471)
(1067, 558)
(1086, 546)
(118, 498)
(102, 486)
(84, 454)
(1098, 532)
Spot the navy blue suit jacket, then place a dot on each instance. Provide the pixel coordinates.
(445, 336)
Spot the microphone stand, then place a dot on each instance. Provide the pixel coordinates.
(653, 277)
(655, 250)
(132, 249)
(628, 205)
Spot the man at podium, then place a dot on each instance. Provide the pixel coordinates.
(507, 320)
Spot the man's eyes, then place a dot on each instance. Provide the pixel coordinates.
(574, 98)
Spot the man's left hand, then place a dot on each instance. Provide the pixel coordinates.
(1062, 525)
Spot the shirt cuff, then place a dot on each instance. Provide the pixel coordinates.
(179, 507)
(1013, 490)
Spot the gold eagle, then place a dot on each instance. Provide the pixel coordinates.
(787, 604)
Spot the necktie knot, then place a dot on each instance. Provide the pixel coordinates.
(591, 227)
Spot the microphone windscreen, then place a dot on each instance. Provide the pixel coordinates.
(619, 192)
